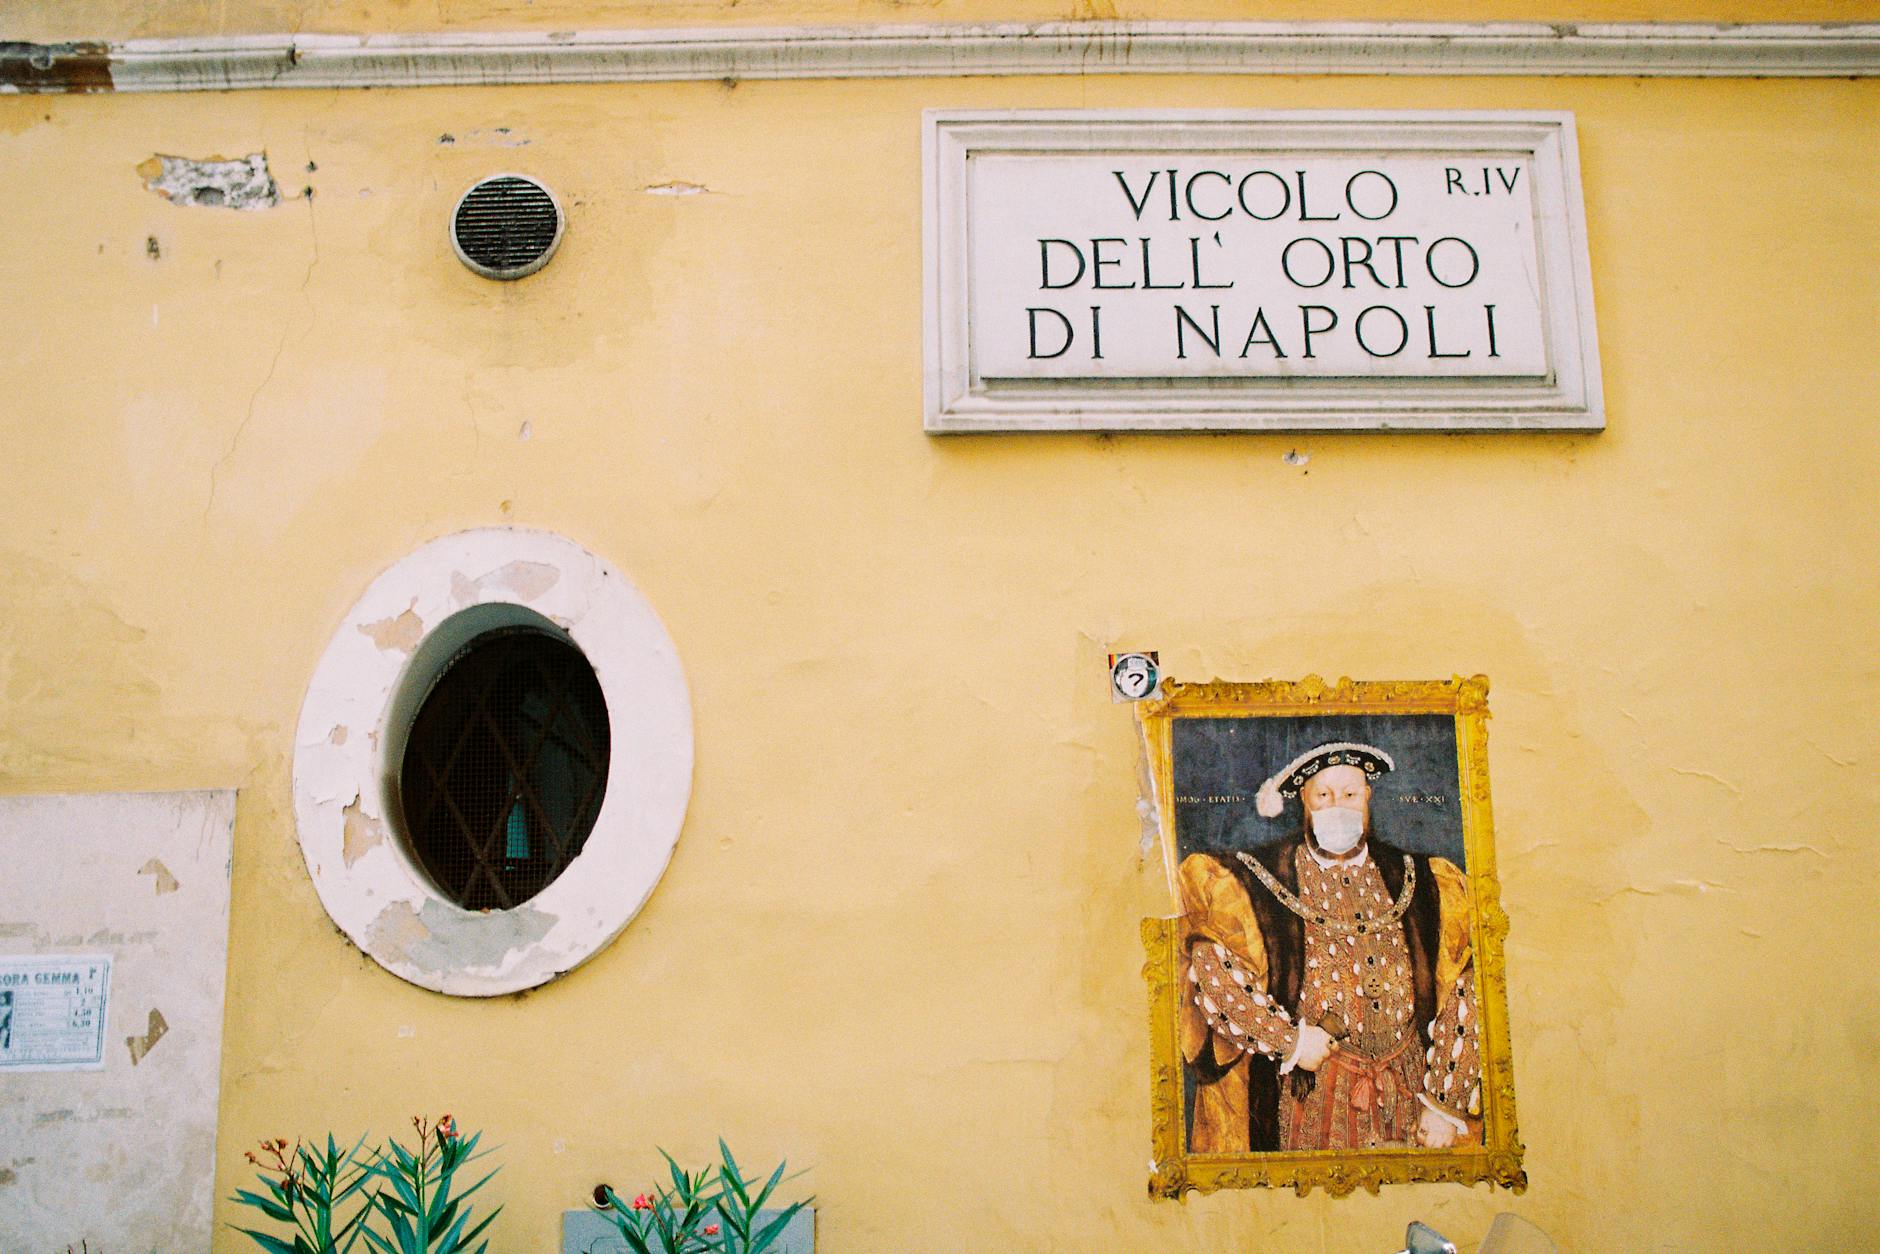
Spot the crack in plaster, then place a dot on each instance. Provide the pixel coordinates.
(274, 362)
(677, 187)
(1680, 888)
(1715, 779)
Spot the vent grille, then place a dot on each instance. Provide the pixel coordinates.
(506, 227)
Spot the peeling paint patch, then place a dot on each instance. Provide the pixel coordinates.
(676, 187)
(528, 580)
(66, 67)
(142, 1045)
(243, 183)
(401, 632)
(337, 736)
(441, 938)
(521, 580)
(363, 833)
(166, 883)
(7, 1176)
(395, 931)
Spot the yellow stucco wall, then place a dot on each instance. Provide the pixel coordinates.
(898, 939)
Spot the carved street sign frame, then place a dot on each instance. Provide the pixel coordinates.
(961, 396)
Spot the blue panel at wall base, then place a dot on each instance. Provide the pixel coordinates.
(590, 1232)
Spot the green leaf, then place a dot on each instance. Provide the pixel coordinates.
(273, 1210)
(273, 1245)
(770, 1186)
(355, 1226)
(450, 1242)
(434, 1221)
(407, 1194)
(768, 1235)
(403, 1231)
(445, 1218)
(728, 1173)
(635, 1241)
(472, 1235)
(680, 1180)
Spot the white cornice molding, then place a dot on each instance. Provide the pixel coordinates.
(938, 51)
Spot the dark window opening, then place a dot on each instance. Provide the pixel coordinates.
(505, 767)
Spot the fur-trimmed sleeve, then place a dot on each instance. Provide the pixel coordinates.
(1455, 950)
(1216, 911)
(1452, 1081)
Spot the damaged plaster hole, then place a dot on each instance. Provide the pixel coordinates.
(506, 227)
(1293, 457)
(243, 183)
(155, 1030)
(504, 766)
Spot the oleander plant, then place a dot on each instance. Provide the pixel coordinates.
(716, 1210)
(398, 1199)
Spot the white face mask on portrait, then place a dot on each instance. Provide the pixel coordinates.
(1337, 830)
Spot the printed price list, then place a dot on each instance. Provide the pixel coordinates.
(52, 1011)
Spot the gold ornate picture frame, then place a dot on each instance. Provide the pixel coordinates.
(1273, 1061)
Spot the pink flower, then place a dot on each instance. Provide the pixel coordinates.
(642, 1202)
(446, 1127)
(711, 1230)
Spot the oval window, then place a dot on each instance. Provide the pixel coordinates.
(506, 764)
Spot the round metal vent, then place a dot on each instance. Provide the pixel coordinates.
(506, 226)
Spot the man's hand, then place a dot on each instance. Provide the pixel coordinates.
(1314, 1044)
(1434, 1131)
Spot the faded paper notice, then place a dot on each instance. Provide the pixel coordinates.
(52, 1011)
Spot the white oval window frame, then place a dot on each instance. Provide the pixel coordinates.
(374, 674)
